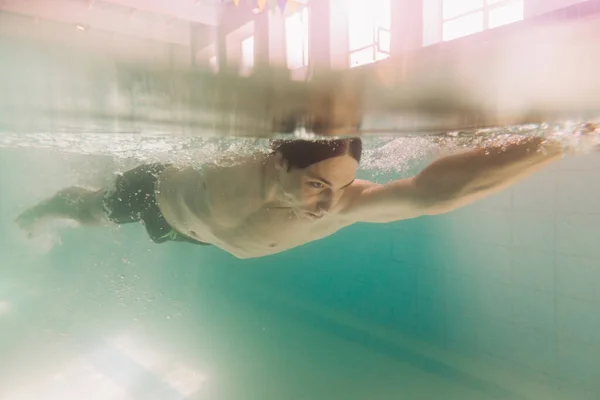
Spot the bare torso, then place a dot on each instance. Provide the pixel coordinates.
(251, 209)
(227, 207)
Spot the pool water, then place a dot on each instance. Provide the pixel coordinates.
(497, 300)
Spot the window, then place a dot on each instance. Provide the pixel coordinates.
(368, 31)
(213, 63)
(465, 17)
(296, 39)
(247, 54)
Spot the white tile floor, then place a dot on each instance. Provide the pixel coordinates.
(234, 352)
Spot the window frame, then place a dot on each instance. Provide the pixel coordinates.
(485, 10)
(375, 46)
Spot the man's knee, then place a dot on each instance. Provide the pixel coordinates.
(95, 211)
(86, 206)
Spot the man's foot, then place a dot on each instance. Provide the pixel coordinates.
(31, 219)
(27, 221)
(38, 234)
(41, 229)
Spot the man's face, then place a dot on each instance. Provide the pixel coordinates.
(316, 189)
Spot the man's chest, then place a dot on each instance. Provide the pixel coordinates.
(271, 230)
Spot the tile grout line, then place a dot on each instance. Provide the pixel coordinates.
(555, 277)
(511, 277)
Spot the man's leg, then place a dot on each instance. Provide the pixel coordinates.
(74, 203)
(132, 196)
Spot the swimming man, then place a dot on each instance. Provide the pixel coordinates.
(300, 192)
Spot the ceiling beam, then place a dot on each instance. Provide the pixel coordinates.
(115, 20)
(191, 10)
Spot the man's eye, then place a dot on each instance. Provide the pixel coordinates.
(316, 185)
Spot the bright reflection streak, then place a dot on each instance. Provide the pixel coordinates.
(185, 380)
(75, 381)
(178, 376)
(124, 369)
(137, 351)
(5, 307)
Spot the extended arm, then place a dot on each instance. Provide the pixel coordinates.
(451, 182)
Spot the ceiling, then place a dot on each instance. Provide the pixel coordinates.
(161, 20)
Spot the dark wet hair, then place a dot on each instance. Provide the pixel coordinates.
(303, 153)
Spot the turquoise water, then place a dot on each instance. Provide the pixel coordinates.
(498, 300)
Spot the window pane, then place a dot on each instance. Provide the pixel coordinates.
(361, 35)
(360, 30)
(294, 41)
(248, 53)
(305, 27)
(463, 26)
(453, 8)
(364, 17)
(384, 40)
(362, 57)
(507, 14)
(382, 10)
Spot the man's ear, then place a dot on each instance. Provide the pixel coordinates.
(280, 163)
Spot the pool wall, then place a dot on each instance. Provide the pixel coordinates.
(509, 282)
(498, 298)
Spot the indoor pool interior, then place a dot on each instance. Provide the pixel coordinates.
(496, 300)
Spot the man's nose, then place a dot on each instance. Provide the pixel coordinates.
(325, 202)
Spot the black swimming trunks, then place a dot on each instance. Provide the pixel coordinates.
(133, 199)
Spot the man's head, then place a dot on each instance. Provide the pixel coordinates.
(314, 174)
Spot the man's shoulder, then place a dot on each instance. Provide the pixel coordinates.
(361, 184)
(357, 188)
(351, 194)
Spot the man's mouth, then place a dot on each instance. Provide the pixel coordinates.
(314, 215)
